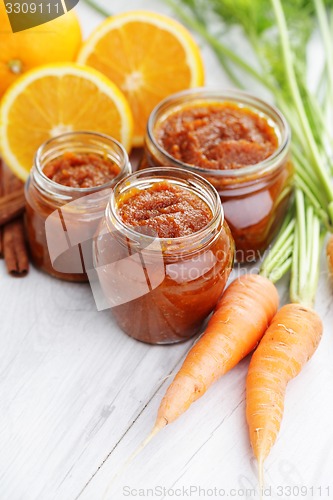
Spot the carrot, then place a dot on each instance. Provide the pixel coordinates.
(290, 341)
(329, 253)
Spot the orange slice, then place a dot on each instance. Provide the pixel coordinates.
(148, 56)
(58, 98)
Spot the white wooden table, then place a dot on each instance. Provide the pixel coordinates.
(77, 396)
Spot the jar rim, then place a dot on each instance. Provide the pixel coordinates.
(51, 186)
(200, 94)
(158, 174)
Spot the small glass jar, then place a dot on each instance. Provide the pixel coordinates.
(255, 198)
(162, 289)
(61, 220)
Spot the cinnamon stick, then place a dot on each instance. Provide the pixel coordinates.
(11, 206)
(14, 244)
(15, 250)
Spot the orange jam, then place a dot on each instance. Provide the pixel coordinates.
(169, 210)
(217, 136)
(81, 170)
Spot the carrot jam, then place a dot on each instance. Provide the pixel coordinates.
(170, 211)
(82, 170)
(217, 136)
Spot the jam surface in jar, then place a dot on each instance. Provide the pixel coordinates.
(81, 170)
(170, 211)
(217, 136)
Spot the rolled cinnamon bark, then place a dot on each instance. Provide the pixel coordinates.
(15, 249)
(11, 206)
(13, 240)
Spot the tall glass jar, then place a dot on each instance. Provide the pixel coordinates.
(162, 289)
(255, 197)
(61, 220)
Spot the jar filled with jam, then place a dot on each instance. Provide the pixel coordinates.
(66, 196)
(239, 143)
(163, 254)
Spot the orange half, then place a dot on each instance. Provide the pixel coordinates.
(148, 56)
(54, 99)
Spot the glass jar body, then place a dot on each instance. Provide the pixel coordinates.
(162, 291)
(61, 221)
(255, 198)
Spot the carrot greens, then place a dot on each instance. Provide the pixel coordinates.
(98, 8)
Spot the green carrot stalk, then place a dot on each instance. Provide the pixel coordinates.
(279, 258)
(97, 7)
(325, 30)
(308, 242)
(287, 57)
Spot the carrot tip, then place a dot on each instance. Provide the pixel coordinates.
(159, 425)
(261, 478)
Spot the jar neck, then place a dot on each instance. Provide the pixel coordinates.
(78, 143)
(138, 238)
(205, 96)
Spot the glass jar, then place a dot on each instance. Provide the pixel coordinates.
(255, 198)
(162, 289)
(61, 220)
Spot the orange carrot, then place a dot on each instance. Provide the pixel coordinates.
(237, 325)
(329, 253)
(288, 344)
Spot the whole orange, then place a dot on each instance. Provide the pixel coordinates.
(56, 41)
